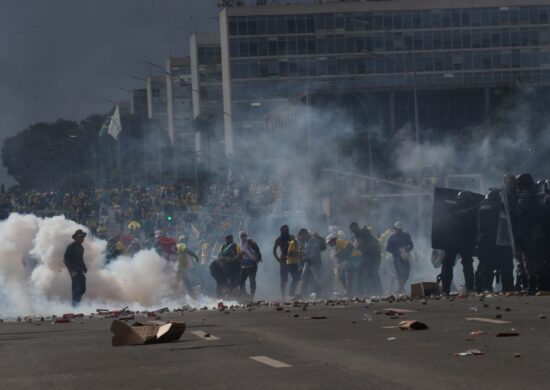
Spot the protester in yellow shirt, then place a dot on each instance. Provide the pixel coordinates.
(349, 259)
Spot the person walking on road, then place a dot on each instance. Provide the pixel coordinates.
(250, 257)
(400, 246)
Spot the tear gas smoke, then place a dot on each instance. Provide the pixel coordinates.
(34, 279)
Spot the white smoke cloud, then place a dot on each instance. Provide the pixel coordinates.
(35, 281)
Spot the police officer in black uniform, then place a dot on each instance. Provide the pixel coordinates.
(464, 218)
(530, 236)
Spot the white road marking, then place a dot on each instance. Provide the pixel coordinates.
(270, 362)
(402, 310)
(489, 320)
(202, 335)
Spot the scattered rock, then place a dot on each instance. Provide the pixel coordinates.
(477, 332)
(542, 317)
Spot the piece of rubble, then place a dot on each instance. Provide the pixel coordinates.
(394, 313)
(470, 352)
(412, 325)
(391, 338)
(151, 332)
(317, 317)
(542, 317)
(517, 355)
(498, 316)
(543, 293)
(477, 332)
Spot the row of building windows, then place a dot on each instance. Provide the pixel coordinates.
(391, 63)
(364, 21)
(248, 97)
(422, 40)
(210, 74)
(209, 55)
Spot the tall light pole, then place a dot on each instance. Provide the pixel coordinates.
(420, 205)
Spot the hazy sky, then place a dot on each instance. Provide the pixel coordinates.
(59, 58)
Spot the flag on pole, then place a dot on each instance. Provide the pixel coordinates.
(114, 126)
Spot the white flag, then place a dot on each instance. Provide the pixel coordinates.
(114, 127)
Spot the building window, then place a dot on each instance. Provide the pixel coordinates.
(515, 39)
(243, 27)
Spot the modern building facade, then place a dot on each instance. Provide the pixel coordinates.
(138, 102)
(179, 105)
(157, 108)
(447, 53)
(206, 73)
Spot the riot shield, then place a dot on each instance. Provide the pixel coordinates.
(503, 232)
(446, 225)
(509, 199)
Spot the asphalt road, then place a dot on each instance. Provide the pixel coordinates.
(342, 351)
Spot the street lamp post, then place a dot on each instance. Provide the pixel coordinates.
(420, 205)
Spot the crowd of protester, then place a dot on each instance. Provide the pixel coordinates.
(177, 208)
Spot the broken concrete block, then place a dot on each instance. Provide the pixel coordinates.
(424, 289)
(151, 332)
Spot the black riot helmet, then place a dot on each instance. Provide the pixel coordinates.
(493, 195)
(525, 181)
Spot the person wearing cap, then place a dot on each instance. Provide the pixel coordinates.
(400, 246)
(74, 261)
(250, 256)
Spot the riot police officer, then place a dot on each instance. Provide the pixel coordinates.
(492, 257)
(464, 219)
(530, 237)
